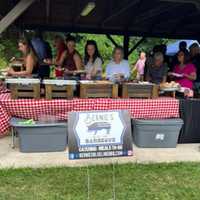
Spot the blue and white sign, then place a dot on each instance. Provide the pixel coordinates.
(99, 134)
(99, 128)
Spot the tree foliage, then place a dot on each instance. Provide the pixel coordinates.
(8, 45)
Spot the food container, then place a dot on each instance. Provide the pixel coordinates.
(98, 89)
(59, 88)
(139, 90)
(156, 133)
(24, 87)
(40, 137)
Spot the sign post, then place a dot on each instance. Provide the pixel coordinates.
(95, 134)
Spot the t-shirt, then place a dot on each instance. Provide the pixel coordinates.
(122, 68)
(157, 74)
(140, 66)
(40, 48)
(188, 69)
(43, 51)
(97, 64)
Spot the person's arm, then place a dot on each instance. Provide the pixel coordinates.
(97, 66)
(78, 61)
(57, 62)
(127, 72)
(30, 63)
(108, 72)
(60, 62)
(164, 79)
(141, 77)
(191, 76)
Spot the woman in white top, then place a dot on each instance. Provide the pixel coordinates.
(93, 61)
(118, 69)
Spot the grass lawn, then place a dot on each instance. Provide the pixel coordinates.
(132, 182)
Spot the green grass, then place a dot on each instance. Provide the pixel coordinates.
(133, 182)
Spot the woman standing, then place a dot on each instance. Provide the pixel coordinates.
(92, 61)
(118, 69)
(59, 45)
(157, 69)
(140, 65)
(185, 72)
(72, 59)
(30, 60)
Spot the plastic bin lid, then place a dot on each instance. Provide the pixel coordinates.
(15, 123)
(158, 121)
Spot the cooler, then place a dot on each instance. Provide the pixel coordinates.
(41, 137)
(156, 133)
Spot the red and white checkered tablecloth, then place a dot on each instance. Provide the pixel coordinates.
(160, 108)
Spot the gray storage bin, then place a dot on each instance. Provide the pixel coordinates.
(41, 137)
(156, 133)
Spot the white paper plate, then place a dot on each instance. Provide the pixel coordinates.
(176, 75)
(145, 83)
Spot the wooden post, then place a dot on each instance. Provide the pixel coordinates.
(70, 91)
(36, 91)
(126, 46)
(155, 91)
(14, 92)
(83, 91)
(114, 91)
(125, 91)
(48, 91)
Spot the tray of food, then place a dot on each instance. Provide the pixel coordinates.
(169, 86)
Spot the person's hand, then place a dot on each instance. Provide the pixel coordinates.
(59, 68)
(12, 59)
(47, 61)
(10, 71)
(186, 75)
(66, 71)
(170, 73)
(88, 76)
(117, 76)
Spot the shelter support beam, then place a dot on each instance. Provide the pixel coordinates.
(118, 12)
(136, 45)
(112, 40)
(20, 7)
(195, 2)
